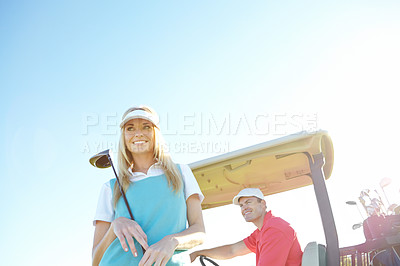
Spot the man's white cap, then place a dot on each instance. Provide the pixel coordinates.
(153, 118)
(248, 192)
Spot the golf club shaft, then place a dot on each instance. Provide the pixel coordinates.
(384, 193)
(123, 193)
(120, 188)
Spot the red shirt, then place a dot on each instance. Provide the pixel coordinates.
(275, 244)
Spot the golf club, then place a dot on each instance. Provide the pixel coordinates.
(103, 160)
(392, 208)
(396, 210)
(351, 202)
(362, 201)
(381, 204)
(356, 226)
(368, 208)
(384, 183)
(375, 203)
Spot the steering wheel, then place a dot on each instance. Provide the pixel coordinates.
(202, 258)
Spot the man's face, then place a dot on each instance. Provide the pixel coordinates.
(252, 208)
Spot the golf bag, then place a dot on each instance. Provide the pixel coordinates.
(387, 257)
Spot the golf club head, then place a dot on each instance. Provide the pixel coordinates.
(104, 160)
(392, 207)
(375, 204)
(370, 210)
(100, 160)
(365, 192)
(385, 182)
(356, 226)
(362, 200)
(397, 210)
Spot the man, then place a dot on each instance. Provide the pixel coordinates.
(274, 241)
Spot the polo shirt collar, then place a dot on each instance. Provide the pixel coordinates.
(267, 216)
(155, 169)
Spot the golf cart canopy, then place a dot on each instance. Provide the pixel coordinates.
(274, 166)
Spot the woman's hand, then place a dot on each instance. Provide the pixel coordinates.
(125, 228)
(160, 252)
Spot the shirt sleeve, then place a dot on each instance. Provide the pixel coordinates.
(105, 210)
(274, 247)
(251, 241)
(191, 186)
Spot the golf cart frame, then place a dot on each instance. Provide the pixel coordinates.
(276, 166)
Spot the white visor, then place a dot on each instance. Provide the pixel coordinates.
(140, 114)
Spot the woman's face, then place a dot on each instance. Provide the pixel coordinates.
(139, 136)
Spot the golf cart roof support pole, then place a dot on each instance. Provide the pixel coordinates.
(332, 243)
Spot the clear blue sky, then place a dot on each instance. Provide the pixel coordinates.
(69, 69)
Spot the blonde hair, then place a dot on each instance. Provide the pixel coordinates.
(125, 159)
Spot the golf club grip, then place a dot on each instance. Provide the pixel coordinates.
(129, 210)
(123, 194)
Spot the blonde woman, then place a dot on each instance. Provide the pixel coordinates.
(164, 198)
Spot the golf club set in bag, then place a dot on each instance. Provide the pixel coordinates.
(103, 160)
(382, 222)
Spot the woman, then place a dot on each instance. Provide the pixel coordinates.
(163, 196)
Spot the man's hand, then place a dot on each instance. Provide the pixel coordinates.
(193, 256)
(222, 252)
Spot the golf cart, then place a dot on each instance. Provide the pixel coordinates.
(292, 162)
(381, 230)
(276, 166)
